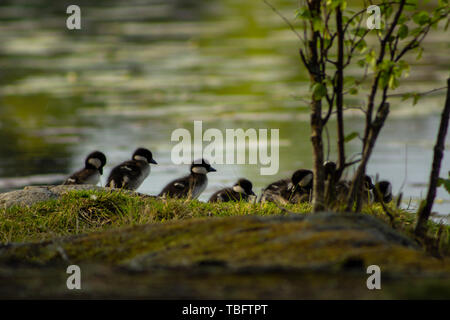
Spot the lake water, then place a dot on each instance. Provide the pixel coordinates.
(140, 69)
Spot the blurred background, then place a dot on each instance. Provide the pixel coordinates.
(140, 69)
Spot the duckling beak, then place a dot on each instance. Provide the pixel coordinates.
(153, 161)
(100, 170)
(252, 193)
(211, 169)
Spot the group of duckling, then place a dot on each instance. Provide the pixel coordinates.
(130, 174)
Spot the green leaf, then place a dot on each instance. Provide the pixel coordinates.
(416, 31)
(353, 91)
(411, 4)
(392, 82)
(403, 31)
(351, 136)
(419, 55)
(445, 183)
(318, 25)
(416, 98)
(403, 68)
(319, 91)
(402, 20)
(442, 3)
(361, 46)
(370, 58)
(303, 13)
(406, 96)
(421, 18)
(359, 32)
(349, 81)
(333, 4)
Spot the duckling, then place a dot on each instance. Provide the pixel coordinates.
(343, 188)
(130, 174)
(294, 190)
(242, 190)
(90, 174)
(383, 191)
(190, 186)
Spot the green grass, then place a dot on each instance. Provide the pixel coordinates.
(80, 212)
(438, 236)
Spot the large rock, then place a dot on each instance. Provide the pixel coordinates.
(246, 257)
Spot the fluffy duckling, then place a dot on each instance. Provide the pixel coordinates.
(90, 174)
(242, 190)
(190, 186)
(383, 191)
(294, 190)
(130, 174)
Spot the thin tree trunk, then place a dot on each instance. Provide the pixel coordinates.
(355, 189)
(339, 94)
(316, 139)
(317, 142)
(371, 132)
(425, 208)
(316, 115)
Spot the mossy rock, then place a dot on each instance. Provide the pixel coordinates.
(299, 256)
(31, 195)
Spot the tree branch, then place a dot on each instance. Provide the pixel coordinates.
(425, 208)
(419, 93)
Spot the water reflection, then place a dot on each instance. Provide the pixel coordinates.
(140, 69)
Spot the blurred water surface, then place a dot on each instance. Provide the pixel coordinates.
(140, 69)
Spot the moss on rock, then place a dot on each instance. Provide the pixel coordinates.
(232, 250)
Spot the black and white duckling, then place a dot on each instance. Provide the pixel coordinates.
(330, 168)
(190, 186)
(130, 174)
(93, 169)
(294, 190)
(382, 191)
(242, 190)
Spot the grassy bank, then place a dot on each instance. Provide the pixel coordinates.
(190, 249)
(79, 212)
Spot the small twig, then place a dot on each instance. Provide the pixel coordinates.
(300, 99)
(328, 142)
(352, 108)
(419, 93)
(284, 18)
(409, 203)
(349, 164)
(355, 155)
(406, 169)
(399, 200)
(305, 61)
(383, 205)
